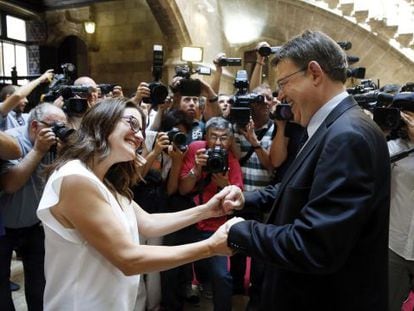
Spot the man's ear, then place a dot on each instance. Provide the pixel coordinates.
(316, 71)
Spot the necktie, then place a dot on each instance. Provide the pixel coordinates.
(303, 140)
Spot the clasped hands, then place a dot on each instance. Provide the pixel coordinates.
(224, 203)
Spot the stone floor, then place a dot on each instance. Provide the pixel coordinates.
(239, 302)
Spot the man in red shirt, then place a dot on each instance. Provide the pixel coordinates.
(209, 166)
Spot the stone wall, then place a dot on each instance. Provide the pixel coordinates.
(121, 49)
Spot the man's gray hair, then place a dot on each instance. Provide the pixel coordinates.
(38, 112)
(219, 123)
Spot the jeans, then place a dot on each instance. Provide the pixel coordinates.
(30, 241)
(215, 267)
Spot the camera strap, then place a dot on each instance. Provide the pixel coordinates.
(260, 135)
(201, 184)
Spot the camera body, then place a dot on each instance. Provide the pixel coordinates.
(178, 138)
(386, 108)
(59, 80)
(240, 103)
(267, 50)
(188, 86)
(61, 131)
(75, 98)
(158, 91)
(217, 161)
(283, 112)
(228, 61)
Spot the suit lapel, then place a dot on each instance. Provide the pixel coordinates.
(343, 106)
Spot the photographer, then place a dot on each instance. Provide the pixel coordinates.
(22, 185)
(201, 179)
(161, 175)
(256, 78)
(401, 253)
(14, 99)
(76, 99)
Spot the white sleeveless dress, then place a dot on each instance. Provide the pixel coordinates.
(78, 277)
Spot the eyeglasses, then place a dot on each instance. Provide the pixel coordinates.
(52, 124)
(223, 138)
(282, 82)
(133, 123)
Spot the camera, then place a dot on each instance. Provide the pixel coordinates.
(226, 61)
(188, 86)
(61, 131)
(357, 72)
(158, 91)
(283, 112)
(106, 88)
(75, 98)
(178, 138)
(267, 50)
(217, 161)
(65, 78)
(241, 101)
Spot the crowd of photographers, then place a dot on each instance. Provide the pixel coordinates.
(198, 140)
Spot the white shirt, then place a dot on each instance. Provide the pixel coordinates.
(401, 232)
(320, 115)
(78, 277)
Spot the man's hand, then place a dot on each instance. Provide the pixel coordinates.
(44, 140)
(142, 91)
(161, 142)
(226, 201)
(47, 76)
(200, 159)
(117, 91)
(176, 154)
(250, 134)
(232, 198)
(216, 60)
(218, 241)
(221, 179)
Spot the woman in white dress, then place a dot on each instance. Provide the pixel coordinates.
(92, 226)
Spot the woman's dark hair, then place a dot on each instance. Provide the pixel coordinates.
(90, 142)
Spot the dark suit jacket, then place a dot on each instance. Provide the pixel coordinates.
(325, 242)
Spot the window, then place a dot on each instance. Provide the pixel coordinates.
(13, 47)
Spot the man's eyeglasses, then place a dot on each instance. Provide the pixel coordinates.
(56, 123)
(283, 81)
(133, 123)
(223, 138)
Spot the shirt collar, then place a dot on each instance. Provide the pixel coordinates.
(323, 112)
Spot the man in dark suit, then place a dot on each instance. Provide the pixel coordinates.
(324, 243)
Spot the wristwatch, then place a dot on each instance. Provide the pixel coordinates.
(257, 147)
(192, 173)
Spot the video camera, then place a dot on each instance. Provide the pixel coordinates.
(242, 100)
(188, 86)
(228, 61)
(64, 78)
(158, 91)
(105, 88)
(217, 161)
(283, 112)
(267, 50)
(385, 107)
